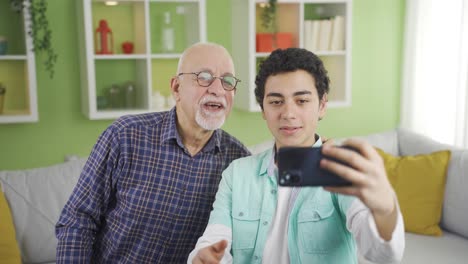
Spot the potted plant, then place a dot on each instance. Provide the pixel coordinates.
(271, 39)
(39, 29)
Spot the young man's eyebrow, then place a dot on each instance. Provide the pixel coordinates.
(302, 93)
(305, 92)
(275, 95)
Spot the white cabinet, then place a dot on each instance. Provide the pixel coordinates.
(248, 51)
(17, 68)
(120, 80)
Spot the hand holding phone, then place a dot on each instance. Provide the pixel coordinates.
(300, 166)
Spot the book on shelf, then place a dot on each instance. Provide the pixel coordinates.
(337, 41)
(311, 34)
(325, 34)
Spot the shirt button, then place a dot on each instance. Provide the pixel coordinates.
(256, 258)
(265, 223)
(273, 191)
(241, 214)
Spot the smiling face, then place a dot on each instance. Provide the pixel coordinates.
(198, 106)
(292, 109)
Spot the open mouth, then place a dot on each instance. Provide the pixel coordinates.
(213, 106)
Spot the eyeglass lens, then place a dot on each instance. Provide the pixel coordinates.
(206, 79)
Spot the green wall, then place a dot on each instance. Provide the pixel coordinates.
(63, 130)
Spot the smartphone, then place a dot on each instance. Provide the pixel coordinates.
(300, 166)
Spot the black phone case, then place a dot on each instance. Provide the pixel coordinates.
(300, 166)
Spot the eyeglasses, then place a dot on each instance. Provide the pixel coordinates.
(205, 79)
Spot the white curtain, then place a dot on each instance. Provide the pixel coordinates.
(434, 97)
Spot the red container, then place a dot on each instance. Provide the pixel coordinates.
(104, 38)
(127, 47)
(266, 43)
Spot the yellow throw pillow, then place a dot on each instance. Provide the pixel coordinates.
(9, 252)
(419, 182)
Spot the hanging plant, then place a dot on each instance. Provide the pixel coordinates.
(39, 30)
(268, 16)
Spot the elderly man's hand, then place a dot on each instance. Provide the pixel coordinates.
(211, 254)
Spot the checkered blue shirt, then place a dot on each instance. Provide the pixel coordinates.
(141, 197)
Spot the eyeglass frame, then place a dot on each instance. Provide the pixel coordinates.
(214, 78)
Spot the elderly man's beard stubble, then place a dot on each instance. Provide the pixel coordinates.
(211, 112)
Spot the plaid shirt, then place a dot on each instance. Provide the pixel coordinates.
(141, 197)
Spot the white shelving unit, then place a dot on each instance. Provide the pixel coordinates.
(290, 15)
(148, 68)
(18, 73)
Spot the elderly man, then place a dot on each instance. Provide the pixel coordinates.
(147, 189)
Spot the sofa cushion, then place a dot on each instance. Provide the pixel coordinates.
(419, 182)
(455, 212)
(448, 249)
(9, 252)
(36, 198)
(455, 207)
(386, 141)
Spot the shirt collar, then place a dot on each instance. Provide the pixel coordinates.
(269, 165)
(169, 132)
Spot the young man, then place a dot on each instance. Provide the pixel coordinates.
(147, 189)
(256, 221)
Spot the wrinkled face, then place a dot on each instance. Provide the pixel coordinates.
(292, 109)
(205, 107)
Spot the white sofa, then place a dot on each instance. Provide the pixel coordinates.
(37, 196)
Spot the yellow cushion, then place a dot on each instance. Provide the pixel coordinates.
(9, 252)
(419, 182)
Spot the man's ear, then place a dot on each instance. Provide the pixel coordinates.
(175, 85)
(323, 106)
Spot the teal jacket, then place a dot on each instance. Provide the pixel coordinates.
(246, 201)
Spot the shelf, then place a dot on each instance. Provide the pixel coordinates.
(149, 67)
(126, 21)
(108, 114)
(118, 1)
(318, 53)
(120, 57)
(181, 15)
(175, 1)
(112, 81)
(251, 43)
(19, 117)
(17, 68)
(166, 56)
(13, 57)
(331, 53)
